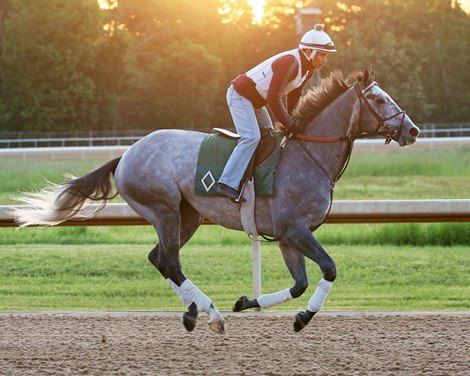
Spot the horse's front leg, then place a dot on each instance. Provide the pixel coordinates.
(295, 262)
(303, 240)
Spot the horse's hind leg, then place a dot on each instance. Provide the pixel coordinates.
(165, 257)
(190, 222)
(295, 262)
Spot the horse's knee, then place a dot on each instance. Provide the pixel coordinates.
(299, 288)
(329, 270)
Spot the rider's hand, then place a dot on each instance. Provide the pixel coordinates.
(288, 130)
(295, 128)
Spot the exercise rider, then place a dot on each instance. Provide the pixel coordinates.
(278, 83)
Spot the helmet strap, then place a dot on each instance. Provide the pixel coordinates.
(312, 55)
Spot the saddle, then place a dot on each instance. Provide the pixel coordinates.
(266, 147)
(215, 151)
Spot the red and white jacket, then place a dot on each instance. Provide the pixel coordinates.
(276, 82)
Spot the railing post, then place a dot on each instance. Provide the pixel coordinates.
(256, 266)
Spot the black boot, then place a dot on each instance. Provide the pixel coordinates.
(225, 190)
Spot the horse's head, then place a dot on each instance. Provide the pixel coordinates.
(378, 113)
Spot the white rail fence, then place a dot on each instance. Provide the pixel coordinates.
(372, 211)
(13, 140)
(108, 152)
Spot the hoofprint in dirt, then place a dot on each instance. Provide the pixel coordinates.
(263, 344)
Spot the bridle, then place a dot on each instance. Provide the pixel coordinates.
(389, 132)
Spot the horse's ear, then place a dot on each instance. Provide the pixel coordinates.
(368, 76)
(371, 74)
(365, 77)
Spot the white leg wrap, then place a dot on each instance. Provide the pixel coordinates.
(319, 296)
(193, 294)
(270, 300)
(177, 289)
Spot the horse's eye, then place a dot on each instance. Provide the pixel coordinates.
(380, 101)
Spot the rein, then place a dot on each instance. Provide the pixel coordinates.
(389, 132)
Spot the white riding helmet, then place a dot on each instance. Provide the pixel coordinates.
(317, 40)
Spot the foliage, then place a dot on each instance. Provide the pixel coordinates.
(164, 64)
(175, 97)
(417, 47)
(47, 64)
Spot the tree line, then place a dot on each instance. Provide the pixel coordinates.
(148, 64)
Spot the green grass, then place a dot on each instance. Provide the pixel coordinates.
(118, 277)
(416, 234)
(405, 174)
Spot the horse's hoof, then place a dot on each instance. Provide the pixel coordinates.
(301, 320)
(217, 326)
(189, 322)
(190, 317)
(241, 304)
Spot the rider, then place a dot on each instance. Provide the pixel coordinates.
(276, 82)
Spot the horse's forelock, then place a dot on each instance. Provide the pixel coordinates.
(316, 100)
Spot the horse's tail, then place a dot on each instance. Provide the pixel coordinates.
(59, 202)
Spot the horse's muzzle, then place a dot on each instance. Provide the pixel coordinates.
(409, 134)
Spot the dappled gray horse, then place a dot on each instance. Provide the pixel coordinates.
(156, 177)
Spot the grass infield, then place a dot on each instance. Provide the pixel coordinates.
(119, 277)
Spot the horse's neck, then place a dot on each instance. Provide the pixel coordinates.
(333, 122)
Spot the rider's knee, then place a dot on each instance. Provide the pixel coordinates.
(299, 288)
(252, 140)
(329, 270)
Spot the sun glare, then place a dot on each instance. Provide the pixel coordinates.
(465, 5)
(258, 9)
(107, 4)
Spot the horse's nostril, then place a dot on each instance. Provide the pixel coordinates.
(414, 132)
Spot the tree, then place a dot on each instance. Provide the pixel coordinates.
(418, 47)
(47, 65)
(175, 89)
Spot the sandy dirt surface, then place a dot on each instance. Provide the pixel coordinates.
(255, 344)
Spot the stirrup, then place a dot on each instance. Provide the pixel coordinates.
(240, 198)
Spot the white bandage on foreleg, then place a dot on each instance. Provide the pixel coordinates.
(192, 293)
(177, 289)
(319, 296)
(270, 300)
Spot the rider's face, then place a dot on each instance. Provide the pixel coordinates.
(319, 60)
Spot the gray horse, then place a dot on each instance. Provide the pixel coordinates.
(156, 177)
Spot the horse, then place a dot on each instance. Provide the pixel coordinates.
(156, 177)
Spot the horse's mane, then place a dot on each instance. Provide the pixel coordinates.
(316, 100)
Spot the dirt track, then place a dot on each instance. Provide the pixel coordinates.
(264, 344)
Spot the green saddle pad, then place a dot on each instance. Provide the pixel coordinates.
(214, 154)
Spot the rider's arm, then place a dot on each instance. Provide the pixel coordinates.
(294, 96)
(284, 70)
